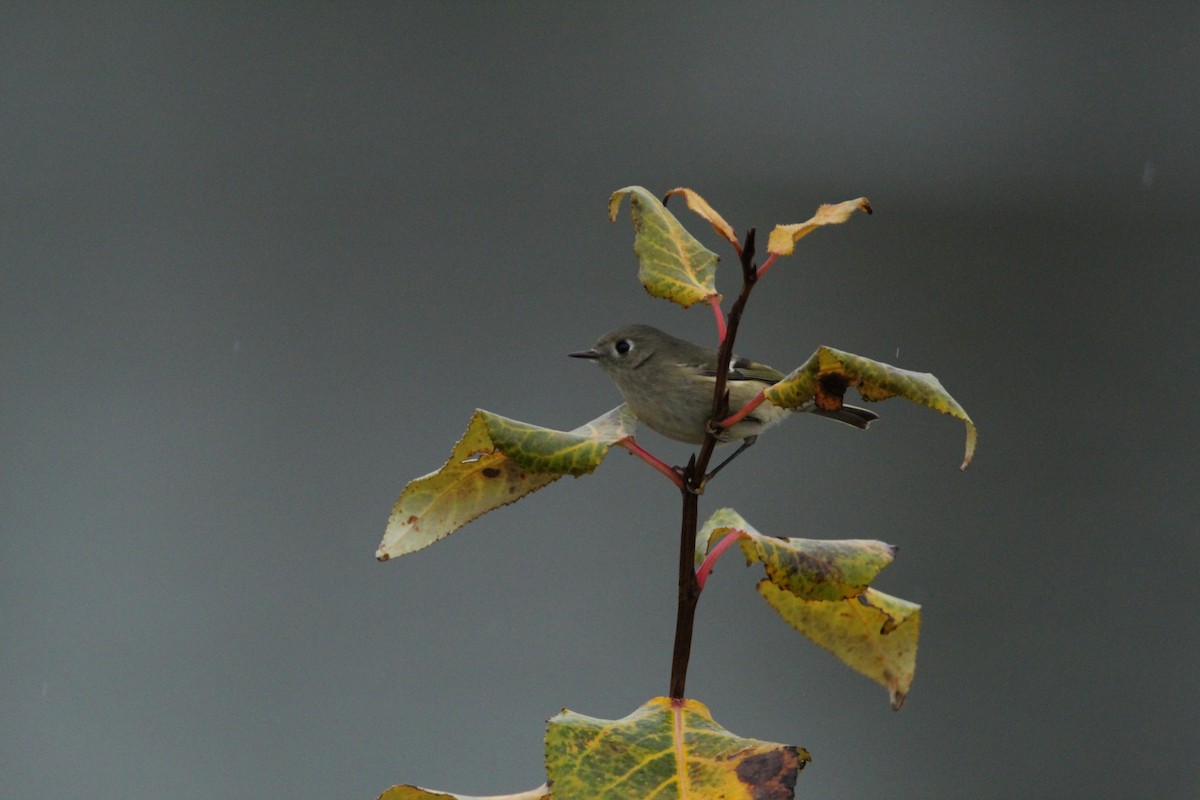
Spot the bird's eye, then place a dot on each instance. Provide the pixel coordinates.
(624, 346)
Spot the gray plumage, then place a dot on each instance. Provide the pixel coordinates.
(668, 384)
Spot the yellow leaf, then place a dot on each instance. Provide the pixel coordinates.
(821, 588)
(498, 461)
(672, 264)
(700, 206)
(875, 634)
(666, 750)
(783, 239)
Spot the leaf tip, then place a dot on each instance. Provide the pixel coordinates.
(897, 697)
(614, 204)
(701, 207)
(972, 439)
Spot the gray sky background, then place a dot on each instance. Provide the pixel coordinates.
(259, 264)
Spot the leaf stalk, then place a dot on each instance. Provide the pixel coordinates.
(710, 560)
(630, 444)
(730, 421)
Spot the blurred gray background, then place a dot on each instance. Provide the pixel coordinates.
(258, 264)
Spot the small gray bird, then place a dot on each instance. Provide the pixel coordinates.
(668, 384)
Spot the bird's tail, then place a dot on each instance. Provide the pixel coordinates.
(851, 415)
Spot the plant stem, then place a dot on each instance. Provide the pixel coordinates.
(693, 483)
(689, 587)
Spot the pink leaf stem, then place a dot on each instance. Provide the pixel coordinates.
(734, 419)
(714, 300)
(711, 559)
(630, 444)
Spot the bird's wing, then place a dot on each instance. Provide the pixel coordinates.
(704, 362)
(743, 369)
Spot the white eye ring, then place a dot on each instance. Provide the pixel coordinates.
(623, 346)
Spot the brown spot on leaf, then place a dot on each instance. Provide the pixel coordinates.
(412, 520)
(382, 557)
(490, 472)
(772, 775)
(831, 387)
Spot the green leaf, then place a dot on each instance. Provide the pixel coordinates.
(823, 380)
(666, 750)
(874, 634)
(497, 462)
(815, 569)
(576, 452)
(672, 264)
(406, 792)
(818, 569)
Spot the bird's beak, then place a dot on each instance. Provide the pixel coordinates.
(584, 354)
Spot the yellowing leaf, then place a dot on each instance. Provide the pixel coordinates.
(699, 205)
(672, 264)
(576, 452)
(874, 634)
(823, 379)
(821, 588)
(819, 569)
(783, 239)
(497, 462)
(406, 792)
(666, 750)
(815, 569)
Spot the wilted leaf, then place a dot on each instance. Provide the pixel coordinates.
(672, 264)
(497, 462)
(875, 634)
(700, 206)
(406, 792)
(823, 380)
(783, 239)
(666, 750)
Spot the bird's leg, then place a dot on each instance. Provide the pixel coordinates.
(746, 443)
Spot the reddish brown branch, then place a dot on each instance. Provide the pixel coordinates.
(693, 479)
